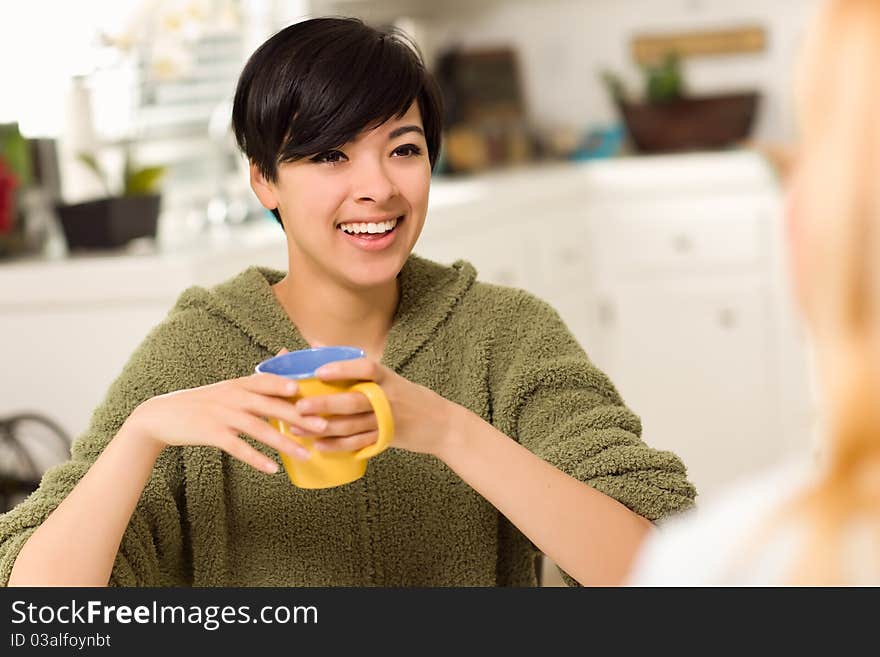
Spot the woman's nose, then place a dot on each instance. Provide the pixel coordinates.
(372, 182)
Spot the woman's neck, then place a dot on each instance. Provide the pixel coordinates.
(327, 313)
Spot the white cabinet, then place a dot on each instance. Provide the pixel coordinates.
(500, 237)
(666, 233)
(692, 358)
(563, 256)
(60, 359)
(685, 323)
(500, 257)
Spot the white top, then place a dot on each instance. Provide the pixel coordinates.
(726, 543)
(700, 548)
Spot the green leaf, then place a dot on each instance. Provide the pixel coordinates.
(614, 86)
(92, 163)
(143, 181)
(665, 81)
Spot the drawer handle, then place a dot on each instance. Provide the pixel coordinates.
(727, 318)
(682, 243)
(606, 313)
(569, 256)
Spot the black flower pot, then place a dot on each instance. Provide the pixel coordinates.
(109, 223)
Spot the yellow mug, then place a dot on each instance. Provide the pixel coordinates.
(327, 469)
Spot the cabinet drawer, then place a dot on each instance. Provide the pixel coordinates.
(562, 247)
(497, 256)
(689, 235)
(694, 359)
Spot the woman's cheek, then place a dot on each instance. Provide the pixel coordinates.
(417, 184)
(325, 198)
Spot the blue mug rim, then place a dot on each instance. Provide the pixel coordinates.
(335, 353)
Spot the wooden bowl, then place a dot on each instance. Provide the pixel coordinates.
(698, 123)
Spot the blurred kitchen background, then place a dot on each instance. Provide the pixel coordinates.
(623, 159)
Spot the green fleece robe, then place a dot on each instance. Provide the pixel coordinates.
(206, 519)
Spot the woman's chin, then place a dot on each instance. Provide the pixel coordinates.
(374, 274)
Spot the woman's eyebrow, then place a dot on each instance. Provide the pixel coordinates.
(402, 130)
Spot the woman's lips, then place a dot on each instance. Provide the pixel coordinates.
(373, 241)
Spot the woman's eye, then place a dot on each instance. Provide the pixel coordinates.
(329, 156)
(407, 150)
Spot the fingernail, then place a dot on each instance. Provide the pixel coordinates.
(318, 423)
(303, 406)
(325, 370)
(271, 467)
(294, 449)
(290, 388)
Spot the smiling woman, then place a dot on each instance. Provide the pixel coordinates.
(359, 169)
(354, 212)
(508, 441)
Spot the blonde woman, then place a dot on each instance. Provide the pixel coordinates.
(815, 523)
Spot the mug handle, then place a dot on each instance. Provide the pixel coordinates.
(382, 409)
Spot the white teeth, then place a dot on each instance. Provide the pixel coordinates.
(357, 228)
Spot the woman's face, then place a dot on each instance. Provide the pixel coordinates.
(355, 213)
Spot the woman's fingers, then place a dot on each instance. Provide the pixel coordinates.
(269, 384)
(239, 449)
(348, 443)
(343, 403)
(362, 369)
(350, 425)
(264, 432)
(281, 409)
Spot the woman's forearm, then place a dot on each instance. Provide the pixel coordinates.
(586, 533)
(78, 542)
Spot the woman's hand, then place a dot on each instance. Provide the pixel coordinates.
(215, 415)
(422, 418)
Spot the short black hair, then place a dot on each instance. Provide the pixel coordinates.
(317, 84)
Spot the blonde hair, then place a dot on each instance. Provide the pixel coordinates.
(837, 252)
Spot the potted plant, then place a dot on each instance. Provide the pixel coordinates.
(669, 119)
(116, 219)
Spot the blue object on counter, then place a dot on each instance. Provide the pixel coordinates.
(600, 143)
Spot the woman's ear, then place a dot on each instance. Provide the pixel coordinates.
(264, 190)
